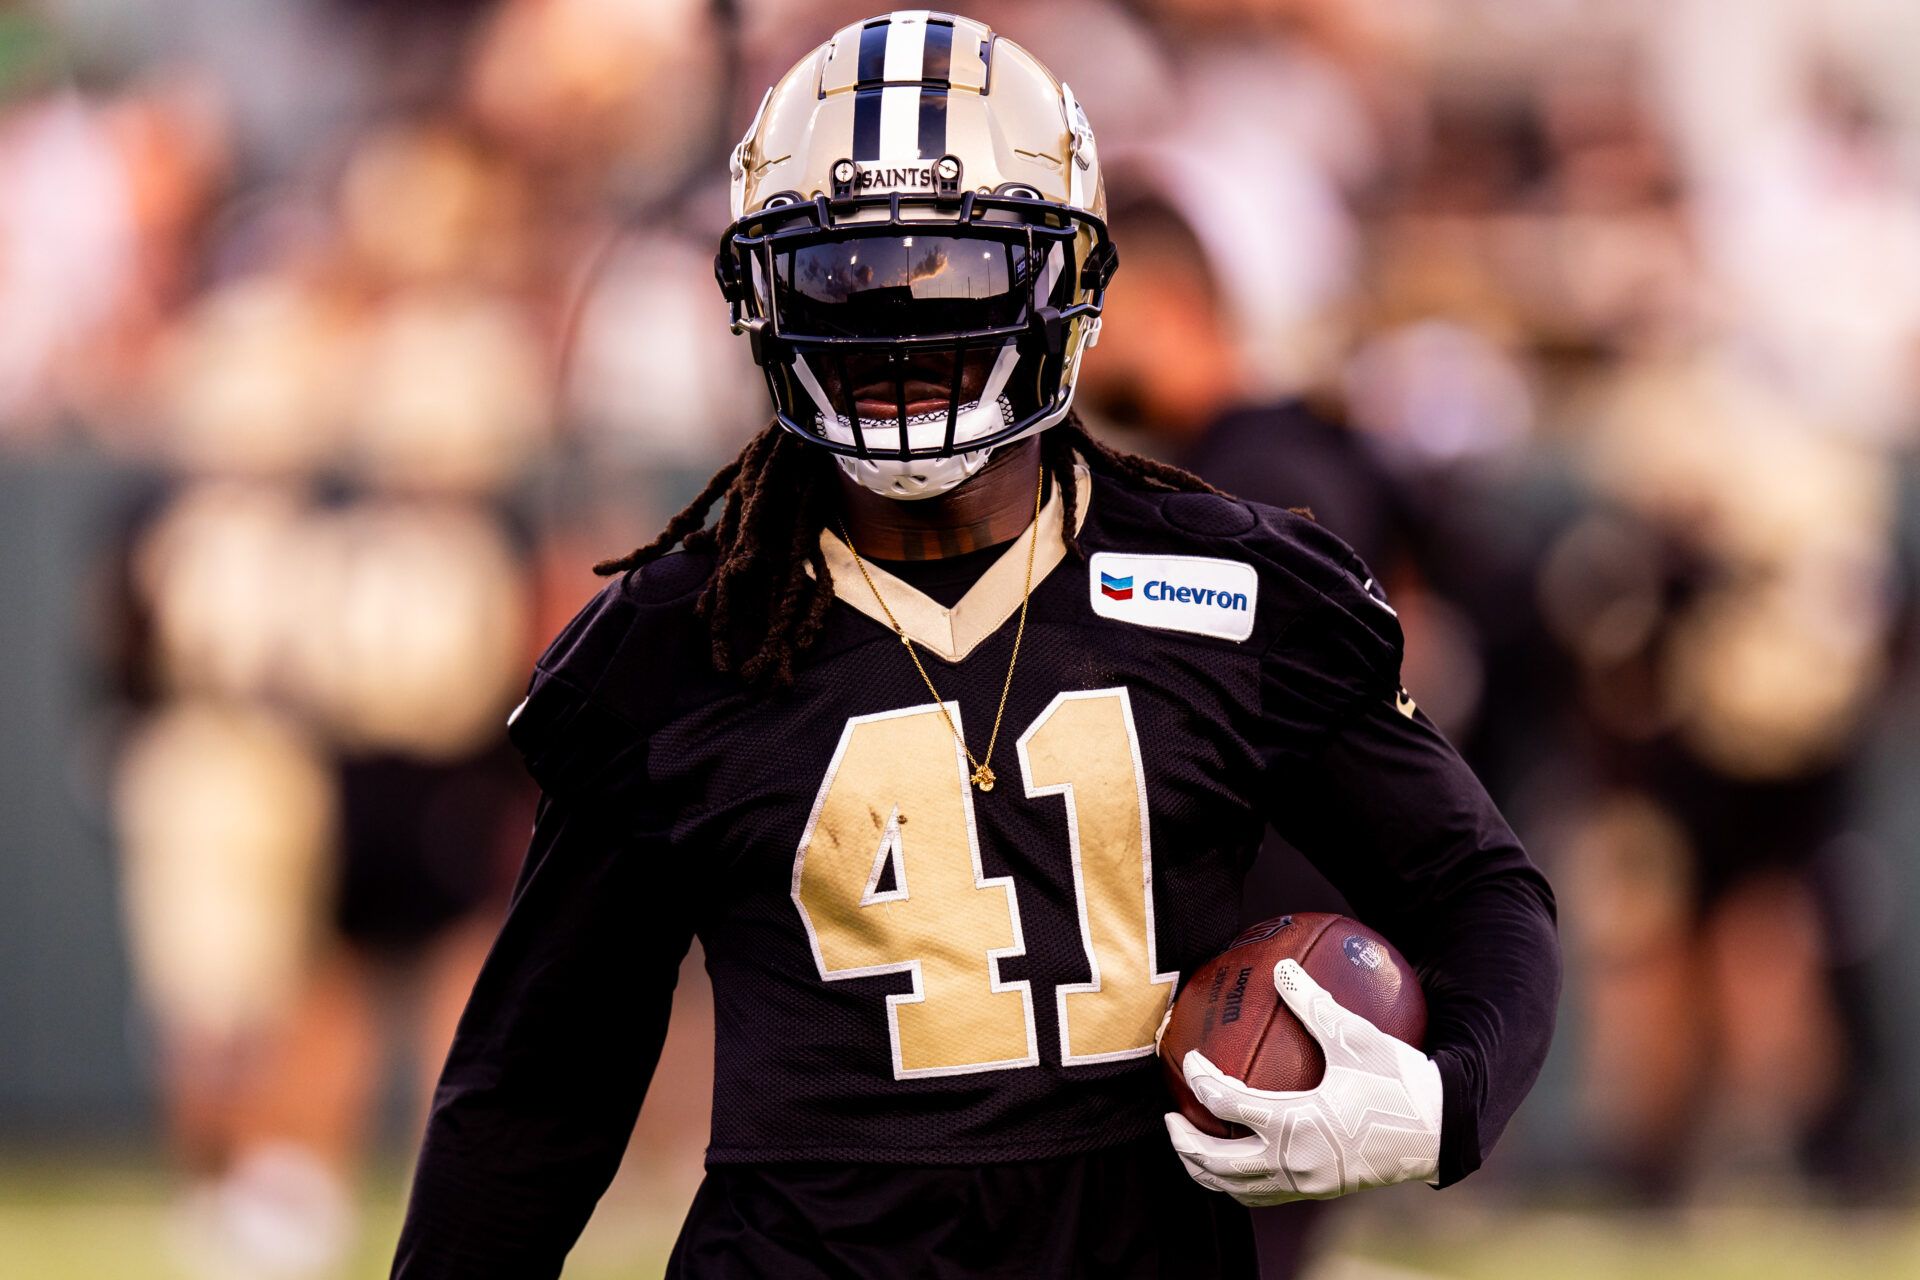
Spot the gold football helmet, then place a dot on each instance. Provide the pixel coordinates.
(919, 251)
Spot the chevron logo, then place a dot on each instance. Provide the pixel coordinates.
(1201, 594)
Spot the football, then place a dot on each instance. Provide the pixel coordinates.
(1230, 1011)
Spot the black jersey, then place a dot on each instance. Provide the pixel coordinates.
(909, 970)
(1128, 1211)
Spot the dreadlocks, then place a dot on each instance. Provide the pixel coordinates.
(777, 500)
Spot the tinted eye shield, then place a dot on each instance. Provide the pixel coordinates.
(1023, 232)
(898, 286)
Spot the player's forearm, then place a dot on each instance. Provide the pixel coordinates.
(1467, 906)
(1491, 971)
(472, 1220)
(508, 1176)
(523, 1139)
(552, 1057)
(1400, 824)
(1477, 918)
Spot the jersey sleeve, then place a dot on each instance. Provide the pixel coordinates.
(560, 1037)
(1373, 795)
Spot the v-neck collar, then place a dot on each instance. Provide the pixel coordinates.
(954, 633)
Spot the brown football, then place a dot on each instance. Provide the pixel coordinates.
(1230, 1011)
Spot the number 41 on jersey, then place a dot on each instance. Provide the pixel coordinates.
(888, 879)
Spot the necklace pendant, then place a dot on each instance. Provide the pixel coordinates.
(983, 778)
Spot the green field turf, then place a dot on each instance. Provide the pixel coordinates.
(111, 1222)
(1480, 1241)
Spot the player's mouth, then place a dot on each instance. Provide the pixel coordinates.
(926, 382)
(884, 401)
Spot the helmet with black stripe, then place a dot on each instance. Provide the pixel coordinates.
(919, 249)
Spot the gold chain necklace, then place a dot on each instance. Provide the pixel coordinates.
(982, 776)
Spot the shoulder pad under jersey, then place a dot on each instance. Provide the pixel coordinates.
(1330, 638)
(616, 672)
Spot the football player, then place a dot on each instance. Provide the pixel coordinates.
(951, 740)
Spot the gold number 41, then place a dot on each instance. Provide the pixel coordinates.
(888, 879)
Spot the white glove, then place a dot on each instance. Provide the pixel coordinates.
(1373, 1121)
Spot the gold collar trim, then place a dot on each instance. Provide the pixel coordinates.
(954, 633)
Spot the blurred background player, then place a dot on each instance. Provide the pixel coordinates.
(302, 895)
(327, 612)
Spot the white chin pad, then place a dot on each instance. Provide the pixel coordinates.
(918, 477)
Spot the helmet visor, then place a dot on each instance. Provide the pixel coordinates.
(900, 286)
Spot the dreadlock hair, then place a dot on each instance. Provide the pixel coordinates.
(779, 495)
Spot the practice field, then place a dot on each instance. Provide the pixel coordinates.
(109, 1221)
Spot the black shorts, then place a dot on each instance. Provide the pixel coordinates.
(1127, 1211)
(424, 845)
